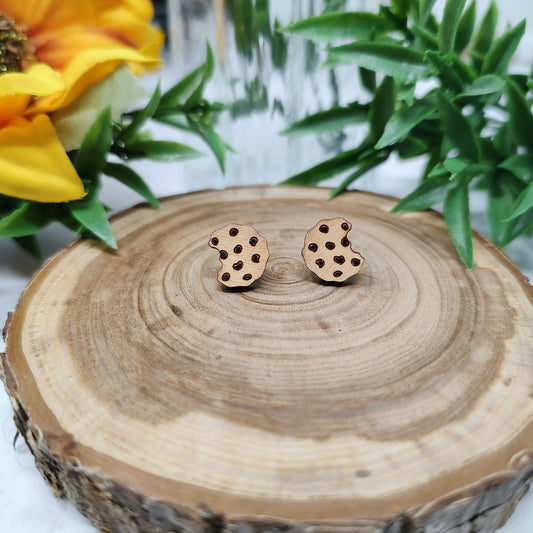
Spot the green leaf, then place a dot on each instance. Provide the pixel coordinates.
(454, 165)
(521, 81)
(368, 79)
(397, 20)
(503, 191)
(444, 67)
(381, 108)
(91, 157)
(334, 119)
(518, 226)
(438, 171)
(140, 118)
(432, 24)
(404, 64)
(131, 179)
(25, 220)
(159, 151)
(262, 19)
(520, 117)
(464, 72)
(335, 26)
(366, 165)
(30, 244)
(485, 34)
(278, 48)
(521, 165)
(426, 195)
(498, 208)
(245, 31)
(406, 94)
(425, 10)
(182, 90)
(177, 119)
(209, 65)
(90, 213)
(488, 84)
(404, 120)
(329, 168)
(503, 143)
(401, 7)
(465, 29)
(217, 145)
(500, 53)
(412, 146)
(457, 217)
(523, 203)
(207, 73)
(449, 24)
(458, 129)
(427, 39)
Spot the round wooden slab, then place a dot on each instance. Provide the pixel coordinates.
(159, 400)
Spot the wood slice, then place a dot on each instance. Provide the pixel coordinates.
(157, 399)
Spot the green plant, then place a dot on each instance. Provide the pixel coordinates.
(109, 145)
(439, 88)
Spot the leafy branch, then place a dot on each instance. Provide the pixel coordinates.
(183, 106)
(439, 89)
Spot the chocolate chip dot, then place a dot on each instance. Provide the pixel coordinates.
(330, 245)
(238, 265)
(247, 277)
(339, 259)
(345, 242)
(320, 263)
(256, 258)
(233, 232)
(345, 226)
(225, 276)
(337, 274)
(253, 241)
(214, 241)
(323, 228)
(313, 246)
(356, 262)
(237, 249)
(223, 254)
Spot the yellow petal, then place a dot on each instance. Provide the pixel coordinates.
(34, 165)
(12, 106)
(38, 80)
(27, 13)
(86, 70)
(62, 46)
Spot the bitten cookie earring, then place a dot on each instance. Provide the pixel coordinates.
(327, 251)
(243, 253)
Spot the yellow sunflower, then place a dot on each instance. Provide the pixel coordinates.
(52, 52)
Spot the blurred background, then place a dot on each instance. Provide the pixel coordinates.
(271, 79)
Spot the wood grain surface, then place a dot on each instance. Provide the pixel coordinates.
(159, 400)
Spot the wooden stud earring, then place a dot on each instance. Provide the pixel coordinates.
(327, 251)
(243, 253)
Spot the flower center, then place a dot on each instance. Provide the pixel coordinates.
(14, 47)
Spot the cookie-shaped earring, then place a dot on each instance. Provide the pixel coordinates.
(243, 253)
(327, 251)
